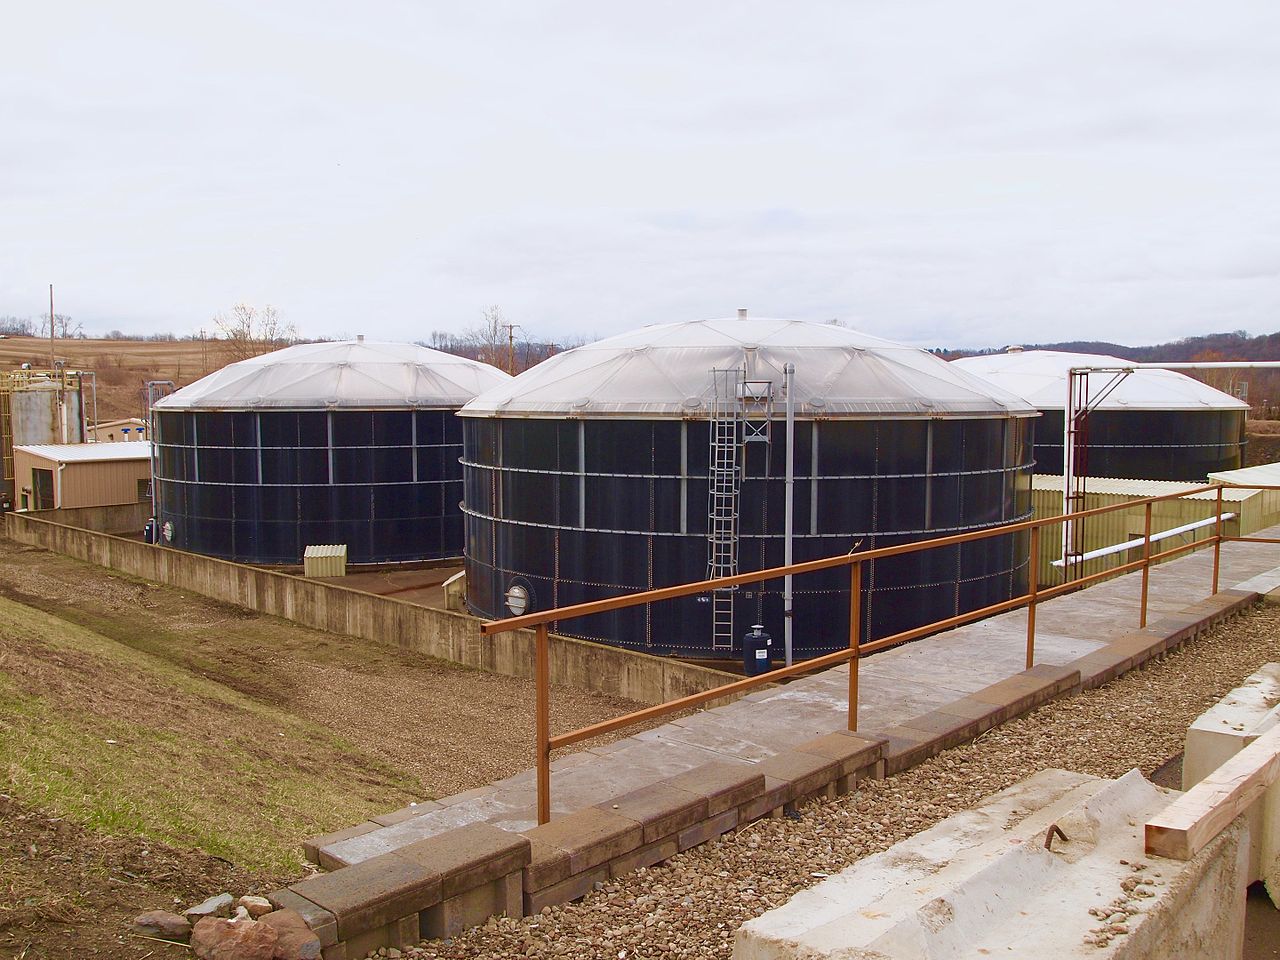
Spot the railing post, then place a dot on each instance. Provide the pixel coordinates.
(1146, 569)
(1217, 544)
(1034, 577)
(855, 628)
(542, 677)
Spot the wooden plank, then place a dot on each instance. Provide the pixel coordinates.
(1183, 828)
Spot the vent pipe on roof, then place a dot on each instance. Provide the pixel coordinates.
(742, 313)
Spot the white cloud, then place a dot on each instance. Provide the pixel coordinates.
(938, 172)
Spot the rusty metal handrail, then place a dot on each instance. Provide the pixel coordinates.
(852, 653)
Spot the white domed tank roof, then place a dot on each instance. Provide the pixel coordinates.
(1040, 376)
(665, 371)
(344, 374)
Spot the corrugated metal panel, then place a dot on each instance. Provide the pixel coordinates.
(325, 560)
(102, 484)
(1121, 525)
(1128, 488)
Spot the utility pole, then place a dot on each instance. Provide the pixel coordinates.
(511, 347)
(53, 359)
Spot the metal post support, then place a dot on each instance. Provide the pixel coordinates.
(1217, 544)
(1031, 604)
(1146, 569)
(855, 626)
(542, 671)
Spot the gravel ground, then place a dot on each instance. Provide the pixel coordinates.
(692, 906)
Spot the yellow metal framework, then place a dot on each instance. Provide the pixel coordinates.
(12, 381)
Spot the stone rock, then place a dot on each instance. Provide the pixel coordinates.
(163, 924)
(219, 906)
(216, 939)
(295, 941)
(257, 906)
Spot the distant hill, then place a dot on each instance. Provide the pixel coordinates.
(1237, 345)
(1260, 387)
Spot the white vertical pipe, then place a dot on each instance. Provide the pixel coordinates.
(788, 372)
(1068, 465)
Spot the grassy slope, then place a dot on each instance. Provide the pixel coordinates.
(126, 742)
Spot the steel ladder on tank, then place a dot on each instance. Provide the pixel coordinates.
(725, 481)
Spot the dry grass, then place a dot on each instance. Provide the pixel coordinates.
(237, 733)
(1264, 428)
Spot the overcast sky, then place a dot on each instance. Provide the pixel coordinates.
(944, 173)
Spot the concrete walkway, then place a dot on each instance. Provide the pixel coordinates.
(894, 686)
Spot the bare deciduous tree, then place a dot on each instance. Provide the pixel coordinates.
(491, 338)
(249, 331)
(64, 327)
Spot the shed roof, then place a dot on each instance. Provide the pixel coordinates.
(89, 452)
(1127, 487)
(1267, 474)
(665, 371)
(1041, 377)
(352, 374)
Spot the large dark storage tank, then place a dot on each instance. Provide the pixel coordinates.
(347, 442)
(588, 476)
(1155, 424)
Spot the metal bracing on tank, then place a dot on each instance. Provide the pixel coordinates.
(724, 481)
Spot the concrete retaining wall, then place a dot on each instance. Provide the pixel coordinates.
(336, 609)
(120, 518)
(437, 886)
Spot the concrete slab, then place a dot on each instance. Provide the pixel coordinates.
(982, 883)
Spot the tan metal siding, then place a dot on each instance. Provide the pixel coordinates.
(100, 484)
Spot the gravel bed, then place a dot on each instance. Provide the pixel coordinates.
(692, 905)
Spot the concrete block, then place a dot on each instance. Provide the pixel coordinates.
(1221, 732)
(564, 891)
(405, 813)
(851, 751)
(1102, 666)
(1027, 690)
(503, 896)
(335, 951)
(373, 893)
(311, 849)
(322, 923)
(984, 715)
(724, 785)
(708, 829)
(659, 809)
(468, 857)
(945, 728)
(777, 793)
(400, 932)
(1060, 679)
(646, 856)
(905, 747)
(474, 793)
(805, 772)
(577, 842)
(982, 883)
